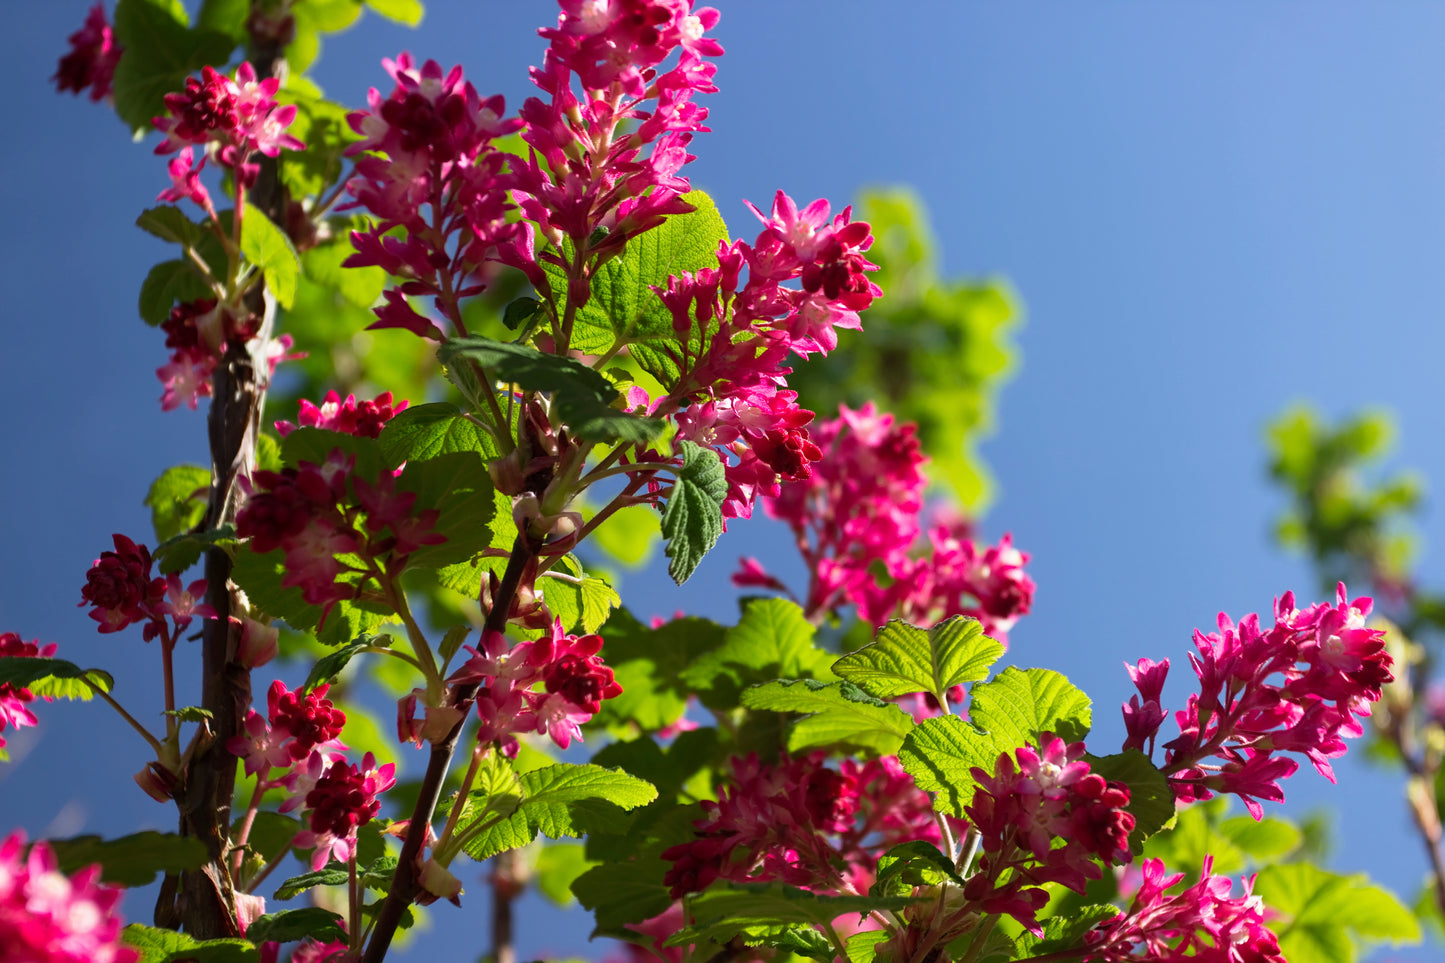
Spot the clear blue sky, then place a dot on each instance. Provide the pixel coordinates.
(1209, 210)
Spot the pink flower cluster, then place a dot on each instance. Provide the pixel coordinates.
(361, 419)
(48, 917)
(429, 167)
(857, 520)
(15, 700)
(233, 118)
(573, 679)
(316, 512)
(122, 591)
(802, 823)
(1301, 687)
(300, 735)
(1033, 800)
(588, 170)
(734, 385)
(1201, 922)
(92, 58)
(198, 334)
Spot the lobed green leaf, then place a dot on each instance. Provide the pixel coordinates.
(133, 860)
(905, 659)
(692, 519)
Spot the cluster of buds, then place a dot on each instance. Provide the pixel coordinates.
(857, 521)
(48, 917)
(572, 677)
(429, 167)
(15, 700)
(803, 823)
(1031, 802)
(314, 513)
(122, 591)
(1302, 686)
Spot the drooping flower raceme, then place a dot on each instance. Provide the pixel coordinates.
(48, 917)
(90, 64)
(1201, 922)
(1301, 686)
(339, 800)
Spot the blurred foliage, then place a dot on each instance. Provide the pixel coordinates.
(932, 351)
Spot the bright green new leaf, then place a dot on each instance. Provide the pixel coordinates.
(53, 678)
(360, 286)
(177, 500)
(426, 431)
(905, 659)
(667, 770)
(167, 946)
(227, 17)
(839, 714)
(862, 947)
(1019, 705)
(692, 519)
(288, 925)
(916, 863)
(267, 246)
(773, 640)
(160, 52)
(377, 876)
(583, 606)
(408, 12)
(165, 285)
(649, 664)
(132, 860)
(939, 754)
(1262, 841)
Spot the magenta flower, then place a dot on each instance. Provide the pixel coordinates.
(363, 419)
(15, 701)
(50, 917)
(186, 182)
(340, 802)
(92, 58)
(120, 588)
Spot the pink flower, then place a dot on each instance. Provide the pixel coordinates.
(92, 58)
(14, 701)
(186, 182)
(340, 802)
(363, 419)
(47, 916)
(119, 586)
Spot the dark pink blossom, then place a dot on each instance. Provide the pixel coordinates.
(363, 419)
(15, 700)
(120, 587)
(339, 803)
(92, 58)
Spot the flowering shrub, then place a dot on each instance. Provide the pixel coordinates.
(599, 345)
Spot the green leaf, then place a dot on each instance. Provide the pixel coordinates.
(360, 286)
(408, 12)
(329, 666)
(426, 431)
(1323, 909)
(581, 396)
(180, 552)
(227, 17)
(1151, 801)
(916, 863)
(160, 52)
(260, 575)
(730, 910)
(315, 445)
(177, 500)
(582, 606)
(53, 678)
(169, 223)
(190, 713)
(692, 519)
(132, 860)
(905, 659)
(939, 754)
(1262, 841)
(840, 714)
(168, 946)
(557, 868)
(649, 664)
(623, 305)
(267, 246)
(773, 640)
(1019, 705)
(377, 876)
(457, 485)
(287, 925)
(169, 283)
(622, 893)
(863, 946)
(1063, 933)
(563, 800)
(520, 313)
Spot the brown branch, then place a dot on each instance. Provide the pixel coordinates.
(405, 886)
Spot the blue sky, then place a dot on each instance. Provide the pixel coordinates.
(1208, 210)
